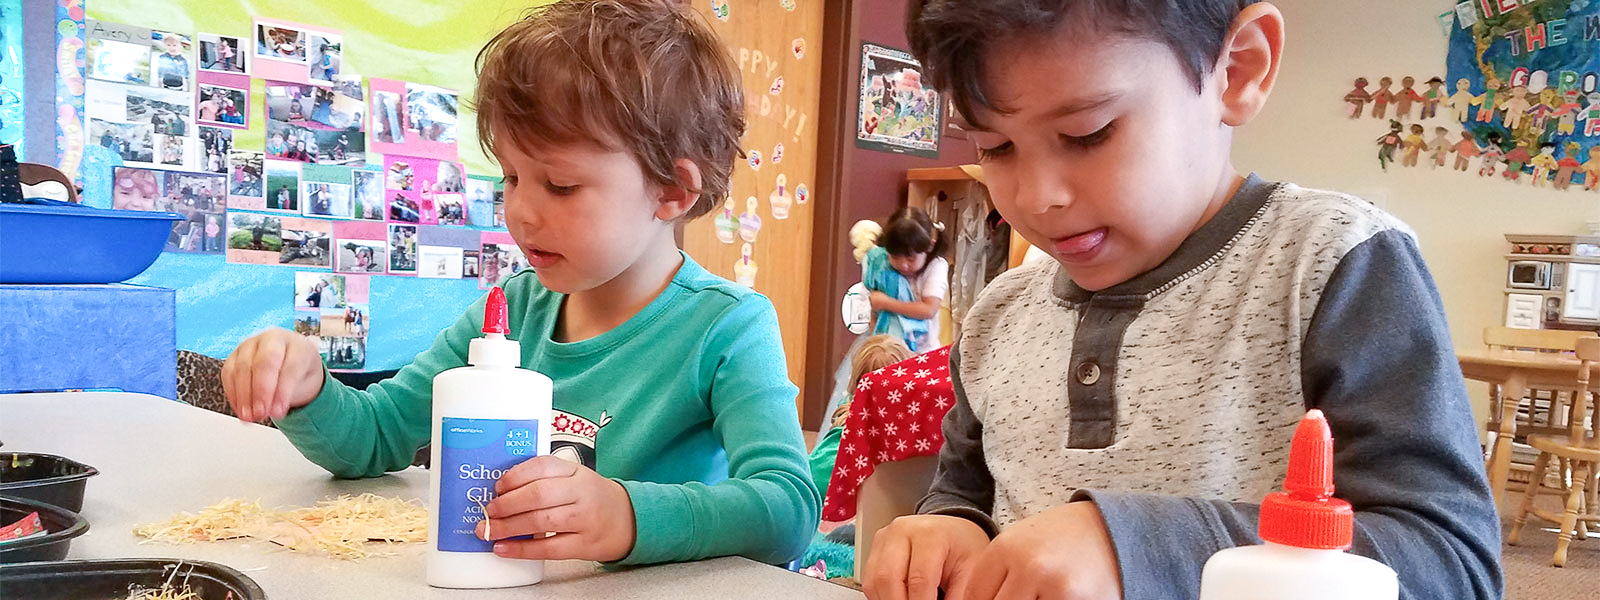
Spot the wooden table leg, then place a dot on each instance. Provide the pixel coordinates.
(1511, 393)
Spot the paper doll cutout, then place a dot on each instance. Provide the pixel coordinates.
(1543, 163)
(1492, 98)
(1567, 112)
(802, 194)
(1439, 146)
(1592, 115)
(1540, 112)
(1568, 166)
(1516, 106)
(1382, 98)
(1492, 153)
(1515, 159)
(1465, 150)
(1414, 145)
(1358, 97)
(1591, 170)
(1432, 98)
(1461, 102)
(1387, 143)
(1404, 98)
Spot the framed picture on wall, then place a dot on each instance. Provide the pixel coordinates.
(895, 111)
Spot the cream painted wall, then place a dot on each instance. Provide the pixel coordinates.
(1304, 137)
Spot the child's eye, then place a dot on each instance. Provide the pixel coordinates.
(1091, 140)
(560, 190)
(508, 180)
(988, 154)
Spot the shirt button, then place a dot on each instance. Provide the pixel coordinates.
(1088, 372)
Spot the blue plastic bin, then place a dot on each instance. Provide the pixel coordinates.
(79, 244)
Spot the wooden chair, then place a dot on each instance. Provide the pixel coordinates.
(1581, 449)
(1544, 410)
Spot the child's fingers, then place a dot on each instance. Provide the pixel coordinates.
(988, 578)
(534, 469)
(236, 380)
(264, 370)
(1011, 588)
(561, 546)
(297, 367)
(925, 570)
(535, 495)
(886, 573)
(568, 518)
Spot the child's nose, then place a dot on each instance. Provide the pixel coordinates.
(1041, 186)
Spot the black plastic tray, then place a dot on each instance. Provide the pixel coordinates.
(47, 478)
(61, 524)
(113, 579)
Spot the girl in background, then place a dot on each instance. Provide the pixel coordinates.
(908, 278)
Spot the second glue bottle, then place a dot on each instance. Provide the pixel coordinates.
(488, 417)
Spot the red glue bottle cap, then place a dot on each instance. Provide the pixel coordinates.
(494, 313)
(1305, 514)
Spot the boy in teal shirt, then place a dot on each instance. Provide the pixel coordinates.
(670, 382)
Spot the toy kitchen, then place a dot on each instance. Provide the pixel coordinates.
(1553, 282)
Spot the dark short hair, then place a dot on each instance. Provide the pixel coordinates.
(951, 36)
(910, 231)
(647, 77)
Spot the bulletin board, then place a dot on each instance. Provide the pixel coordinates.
(221, 302)
(760, 235)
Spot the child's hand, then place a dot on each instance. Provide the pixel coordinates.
(915, 556)
(878, 300)
(270, 373)
(1064, 552)
(591, 516)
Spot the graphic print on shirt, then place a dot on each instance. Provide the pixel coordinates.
(572, 437)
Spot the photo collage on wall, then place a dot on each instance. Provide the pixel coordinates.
(352, 177)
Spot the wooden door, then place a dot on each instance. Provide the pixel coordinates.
(775, 45)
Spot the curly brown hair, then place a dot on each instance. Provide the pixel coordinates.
(647, 77)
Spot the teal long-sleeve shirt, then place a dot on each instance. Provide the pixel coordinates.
(687, 405)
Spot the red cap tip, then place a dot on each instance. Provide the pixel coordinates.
(1306, 514)
(494, 312)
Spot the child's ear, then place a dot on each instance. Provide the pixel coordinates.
(1248, 64)
(677, 199)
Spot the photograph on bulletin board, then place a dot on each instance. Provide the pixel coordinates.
(411, 119)
(144, 126)
(254, 238)
(360, 247)
(480, 198)
(246, 180)
(366, 190)
(223, 105)
(896, 112)
(498, 259)
(306, 243)
(302, 125)
(224, 54)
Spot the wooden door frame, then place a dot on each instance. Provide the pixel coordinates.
(836, 108)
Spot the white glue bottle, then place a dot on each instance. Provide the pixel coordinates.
(488, 416)
(1306, 531)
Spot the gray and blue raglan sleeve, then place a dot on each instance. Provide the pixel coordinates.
(1378, 361)
(962, 485)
